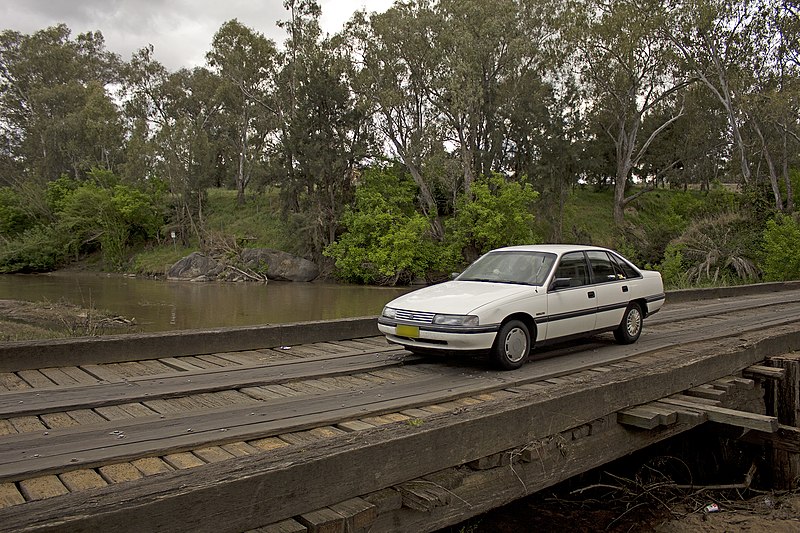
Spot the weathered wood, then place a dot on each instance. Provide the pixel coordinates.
(730, 417)
(115, 348)
(359, 515)
(764, 372)
(422, 495)
(9, 495)
(786, 401)
(284, 526)
(787, 438)
(142, 388)
(323, 521)
(639, 417)
(272, 484)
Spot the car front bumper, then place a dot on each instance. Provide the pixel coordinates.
(432, 337)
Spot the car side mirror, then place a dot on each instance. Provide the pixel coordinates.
(560, 283)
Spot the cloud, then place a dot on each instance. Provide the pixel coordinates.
(179, 30)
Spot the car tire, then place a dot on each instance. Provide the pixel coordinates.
(630, 328)
(512, 345)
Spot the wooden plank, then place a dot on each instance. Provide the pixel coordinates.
(730, 417)
(184, 383)
(58, 420)
(284, 526)
(12, 382)
(6, 428)
(359, 515)
(767, 372)
(323, 521)
(120, 472)
(638, 417)
(184, 460)
(179, 364)
(86, 479)
(79, 375)
(706, 391)
(86, 416)
(240, 449)
(27, 424)
(58, 376)
(212, 454)
(10, 495)
(36, 379)
(150, 466)
(103, 373)
(42, 488)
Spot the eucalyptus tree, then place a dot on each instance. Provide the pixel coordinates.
(173, 119)
(395, 59)
(245, 60)
(716, 40)
(58, 114)
(324, 129)
(629, 70)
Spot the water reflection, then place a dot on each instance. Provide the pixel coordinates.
(170, 305)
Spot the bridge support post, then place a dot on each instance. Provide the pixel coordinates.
(783, 401)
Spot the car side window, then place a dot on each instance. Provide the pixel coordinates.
(602, 267)
(625, 267)
(573, 266)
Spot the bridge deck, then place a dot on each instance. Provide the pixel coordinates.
(247, 438)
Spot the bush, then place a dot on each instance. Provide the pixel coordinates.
(498, 214)
(14, 220)
(718, 249)
(780, 259)
(39, 249)
(386, 241)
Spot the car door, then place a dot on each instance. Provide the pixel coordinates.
(571, 309)
(611, 288)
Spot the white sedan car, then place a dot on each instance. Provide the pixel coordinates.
(513, 298)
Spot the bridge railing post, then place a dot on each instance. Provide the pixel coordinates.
(783, 400)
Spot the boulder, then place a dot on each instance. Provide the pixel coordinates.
(195, 267)
(279, 266)
(276, 265)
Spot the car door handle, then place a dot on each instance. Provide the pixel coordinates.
(591, 294)
(624, 288)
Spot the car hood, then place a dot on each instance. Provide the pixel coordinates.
(460, 297)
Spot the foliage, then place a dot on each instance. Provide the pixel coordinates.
(780, 259)
(38, 249)
(385, 241)
(499, 213)
(718, 249)
(14, 219)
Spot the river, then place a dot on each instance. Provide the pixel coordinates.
(173, 305)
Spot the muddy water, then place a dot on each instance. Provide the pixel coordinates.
(171, 305)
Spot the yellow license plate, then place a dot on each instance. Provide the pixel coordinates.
(407, 331)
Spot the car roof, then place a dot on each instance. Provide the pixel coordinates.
(550, 248)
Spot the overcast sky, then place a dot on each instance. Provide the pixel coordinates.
(179, 30)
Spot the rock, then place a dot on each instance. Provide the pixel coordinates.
(279, 266)
(195, 267)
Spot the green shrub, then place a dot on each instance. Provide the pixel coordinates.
(14, 220)
(38, 249)
(780, 258)
(385, 241)
(499, 213)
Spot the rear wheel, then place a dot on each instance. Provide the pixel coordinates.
(512, 345)
(631, 326)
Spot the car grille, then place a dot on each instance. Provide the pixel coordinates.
(414, 316)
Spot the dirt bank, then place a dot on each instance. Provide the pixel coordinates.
(22, 320)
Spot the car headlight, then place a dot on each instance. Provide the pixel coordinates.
(455, 320)
(388, 312)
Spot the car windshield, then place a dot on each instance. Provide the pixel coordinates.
(524, 268)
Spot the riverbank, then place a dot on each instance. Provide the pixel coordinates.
(21, 320)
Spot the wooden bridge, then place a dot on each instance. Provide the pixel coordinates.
(325, 427)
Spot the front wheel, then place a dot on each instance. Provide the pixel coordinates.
(631, 326)
(512, 345)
